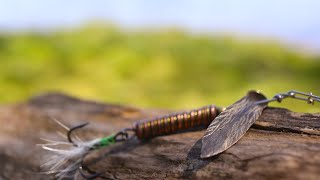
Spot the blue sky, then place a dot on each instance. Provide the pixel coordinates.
(289, 20)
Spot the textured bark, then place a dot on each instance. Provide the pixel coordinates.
(281, 144)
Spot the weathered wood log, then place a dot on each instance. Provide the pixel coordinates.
(280, 145)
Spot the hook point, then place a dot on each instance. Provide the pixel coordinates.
(73, 129)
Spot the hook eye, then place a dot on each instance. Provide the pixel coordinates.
(121, 136)
(71, 130)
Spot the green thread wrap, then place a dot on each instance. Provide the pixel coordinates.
(107, 141)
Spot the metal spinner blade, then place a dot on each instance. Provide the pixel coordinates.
(232, 124)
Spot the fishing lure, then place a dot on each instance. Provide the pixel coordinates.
(229, 126)
(236, 120)
(66, 159)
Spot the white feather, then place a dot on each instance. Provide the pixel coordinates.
(64, 158)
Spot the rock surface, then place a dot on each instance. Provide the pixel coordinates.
(280, 145)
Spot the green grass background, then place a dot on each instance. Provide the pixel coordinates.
(154, 69)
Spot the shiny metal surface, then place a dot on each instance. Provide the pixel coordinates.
(232, 124)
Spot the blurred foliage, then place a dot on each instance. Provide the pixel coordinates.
(167, 68)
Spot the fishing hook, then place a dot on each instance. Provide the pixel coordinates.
(71, 130)
(82, 167)
(122, 135)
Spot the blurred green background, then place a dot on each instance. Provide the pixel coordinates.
(167, 68)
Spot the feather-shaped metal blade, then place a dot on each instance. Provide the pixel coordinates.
(232, 124)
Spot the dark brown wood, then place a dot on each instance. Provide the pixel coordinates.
(280, 145)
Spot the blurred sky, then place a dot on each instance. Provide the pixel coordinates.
(289, 20)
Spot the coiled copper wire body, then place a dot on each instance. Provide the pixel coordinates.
(170, 124)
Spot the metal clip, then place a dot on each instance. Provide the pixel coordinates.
(309, 98)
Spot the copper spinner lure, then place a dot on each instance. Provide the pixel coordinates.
(226, 127)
